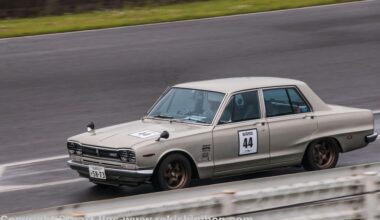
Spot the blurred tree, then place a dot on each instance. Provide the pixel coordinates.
(29, 8)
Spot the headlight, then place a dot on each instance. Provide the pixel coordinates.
(78, 150)
(127, 156)
(74, 148)
(71, 147)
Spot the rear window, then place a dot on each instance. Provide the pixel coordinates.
(298, 103)
(284, 101)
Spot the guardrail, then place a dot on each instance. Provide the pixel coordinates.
(342, 193)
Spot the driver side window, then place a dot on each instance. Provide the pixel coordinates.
(242, 107)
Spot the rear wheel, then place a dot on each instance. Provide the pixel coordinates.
(321, 154)
(173, 173)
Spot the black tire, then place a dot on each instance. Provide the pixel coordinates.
(174, 172)
(321, 154)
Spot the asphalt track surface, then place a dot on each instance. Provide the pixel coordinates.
(51, 86)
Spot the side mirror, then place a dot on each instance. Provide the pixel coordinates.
(164, 135)
(91, 127)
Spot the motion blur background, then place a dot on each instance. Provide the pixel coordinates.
(28, 8)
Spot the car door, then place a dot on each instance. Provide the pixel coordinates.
(291, 123)
(241, 138)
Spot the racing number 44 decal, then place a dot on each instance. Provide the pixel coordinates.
(247, 142)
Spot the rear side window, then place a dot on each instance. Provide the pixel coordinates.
(284, 101)
(277, 102)
(242, 107)
(298, 103)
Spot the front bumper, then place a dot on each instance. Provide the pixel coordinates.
(114, 176)
(371, 138)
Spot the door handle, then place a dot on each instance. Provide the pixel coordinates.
(308, 117)
(259, 123)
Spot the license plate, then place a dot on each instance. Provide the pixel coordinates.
(97, 172)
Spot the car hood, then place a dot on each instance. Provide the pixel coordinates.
(129, 134)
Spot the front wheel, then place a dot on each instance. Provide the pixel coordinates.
(173, 173)
(321, 154)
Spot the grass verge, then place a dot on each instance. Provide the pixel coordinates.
(145, 15)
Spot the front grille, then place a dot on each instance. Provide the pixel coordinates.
(89, 151)
(97, 152)
(109, 154)
(115, 155)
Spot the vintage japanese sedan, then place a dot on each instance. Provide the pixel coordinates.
(221, 127)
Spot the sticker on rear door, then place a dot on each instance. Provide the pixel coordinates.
(247, 142)
(145, 134)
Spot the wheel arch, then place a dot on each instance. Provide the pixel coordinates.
(322, 138)
(194, 168)
(338, 143)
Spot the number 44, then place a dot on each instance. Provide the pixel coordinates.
(247, 143)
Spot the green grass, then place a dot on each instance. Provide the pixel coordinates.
(145, 15)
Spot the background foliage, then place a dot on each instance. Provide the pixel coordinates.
(33, 8)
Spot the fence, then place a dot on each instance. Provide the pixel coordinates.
(342, 193)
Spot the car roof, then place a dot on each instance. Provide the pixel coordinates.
(230, 85)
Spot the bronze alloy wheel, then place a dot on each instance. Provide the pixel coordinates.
(174, 172)
(321, 154)
(324, 154)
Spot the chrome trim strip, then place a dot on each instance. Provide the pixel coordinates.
(101, 159)
(100, 147)
(123, 171)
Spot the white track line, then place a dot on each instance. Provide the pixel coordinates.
(25, 187)
(191, 20)
(376, 112)
(33, 161)
(35, 173)
(1, 171)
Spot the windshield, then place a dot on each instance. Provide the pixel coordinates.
(188, 105)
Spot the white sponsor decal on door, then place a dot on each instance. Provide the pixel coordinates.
(247, 142)
(145, 134)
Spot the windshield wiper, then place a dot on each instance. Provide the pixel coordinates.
(194, 119)
(163, 116)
